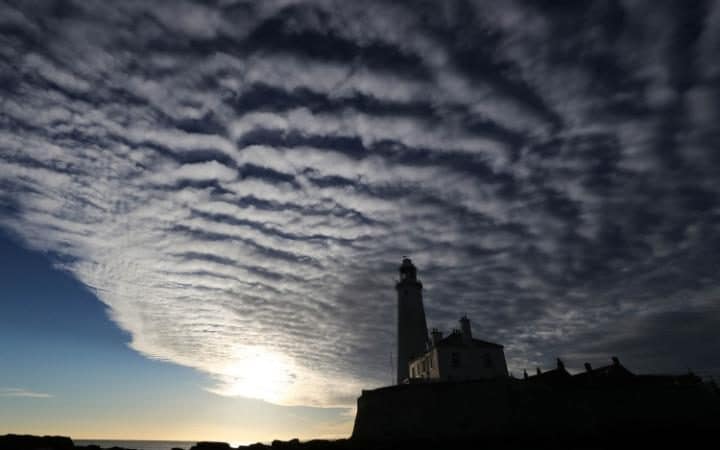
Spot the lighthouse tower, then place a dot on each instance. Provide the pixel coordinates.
(412, 329)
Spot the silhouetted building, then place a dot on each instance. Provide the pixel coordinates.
(602, 405)
(614, 372)
(459, 357)
(557, 375)
(456, 357)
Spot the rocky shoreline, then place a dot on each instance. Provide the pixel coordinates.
(674, 439)
(30, 442)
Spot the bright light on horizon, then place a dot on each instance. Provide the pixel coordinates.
(259, 373)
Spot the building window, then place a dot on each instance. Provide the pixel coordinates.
(455, 359)
(488, 361)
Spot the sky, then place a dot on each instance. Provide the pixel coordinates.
(203, 205)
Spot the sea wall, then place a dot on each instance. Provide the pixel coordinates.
(494, 410)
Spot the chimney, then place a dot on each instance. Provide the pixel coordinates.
(465, 327)
(616, 361)
(525, 375)
(588, 367)
(560, 364)
(436, 336)
(539, 372)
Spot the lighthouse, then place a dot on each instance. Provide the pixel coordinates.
(412, 335)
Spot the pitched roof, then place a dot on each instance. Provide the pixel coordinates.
(615, 370)
(558, 374)
(456, 339)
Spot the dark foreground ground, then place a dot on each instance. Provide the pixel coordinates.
(678, 439)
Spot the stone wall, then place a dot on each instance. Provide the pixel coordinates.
(509, 408)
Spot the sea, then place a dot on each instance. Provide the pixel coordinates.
(137, 445)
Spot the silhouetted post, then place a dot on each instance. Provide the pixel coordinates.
(465, 329)
(436, 336)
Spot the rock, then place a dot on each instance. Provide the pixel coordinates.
(211, 446)
(292, 443)
(28, 442)
(255, 446)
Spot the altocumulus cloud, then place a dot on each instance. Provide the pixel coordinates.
(237, 181)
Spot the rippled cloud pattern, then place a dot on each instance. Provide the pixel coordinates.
(238, 181)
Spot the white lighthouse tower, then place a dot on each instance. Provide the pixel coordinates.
(412, 327)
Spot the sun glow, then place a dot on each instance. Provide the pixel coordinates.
(257, 372)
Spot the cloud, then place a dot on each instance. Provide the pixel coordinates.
(672, 341)
(238, 182)
(24, 393)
